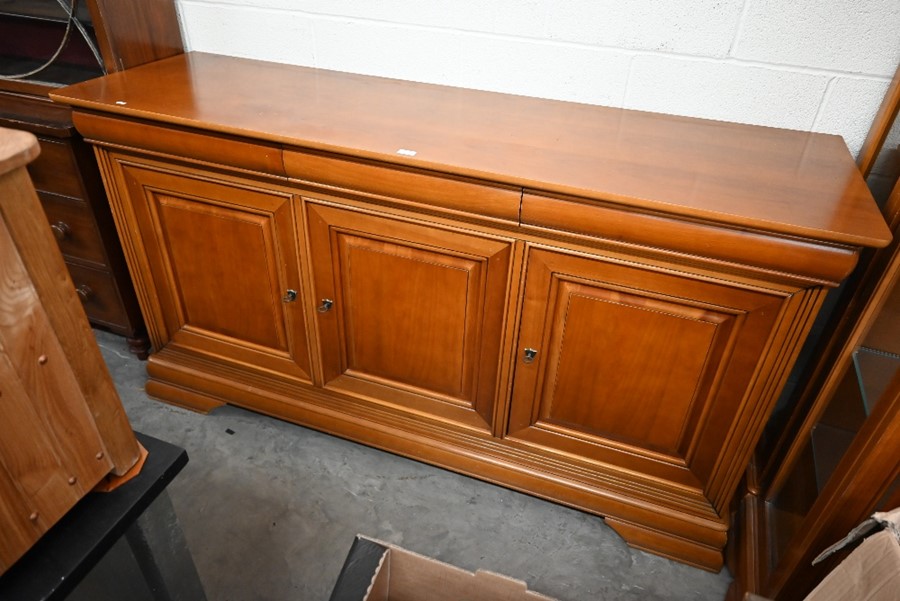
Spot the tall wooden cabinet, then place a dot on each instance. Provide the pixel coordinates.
(842, 463)
(836, 460)
(101, 36)
(595, 306)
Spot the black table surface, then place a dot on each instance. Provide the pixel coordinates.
(68, 551)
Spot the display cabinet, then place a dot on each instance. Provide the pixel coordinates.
(836, 460)
(45, 44)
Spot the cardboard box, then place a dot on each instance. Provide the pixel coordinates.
(872, 571)
(377, 571)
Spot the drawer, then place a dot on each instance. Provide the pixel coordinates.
(55, 169)
(257, 155)
(74, 227)
(705, 241)
(99, 295)
(414, 186)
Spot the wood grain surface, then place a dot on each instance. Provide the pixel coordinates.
(596, 306)
(51, 449)
(17, 148)
(789, 182)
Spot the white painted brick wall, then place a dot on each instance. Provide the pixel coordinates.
(849, 100)
(699, 27)
(856, 36)
(725, 91)
(800, 64)
(272, 35)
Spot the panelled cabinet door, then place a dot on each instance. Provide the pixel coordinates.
(410, 315)
(218, 266)
(640, 372)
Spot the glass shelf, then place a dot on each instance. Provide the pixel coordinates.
(874, 369)
(829, 445)
(787, 510)
(862, 387)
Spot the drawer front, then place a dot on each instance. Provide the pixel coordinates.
(423, 189)
(55, 169)
(98, 293)
(225, 150)
(74, 227)
(827, 264)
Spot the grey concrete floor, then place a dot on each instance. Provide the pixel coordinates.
(269, 510)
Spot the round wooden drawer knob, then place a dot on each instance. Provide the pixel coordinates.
(61, 230)
(85, 293)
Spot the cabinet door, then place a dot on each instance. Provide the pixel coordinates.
(642, 372)
(417, 315)
(216, 259)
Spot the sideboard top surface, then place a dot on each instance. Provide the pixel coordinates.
(782, 181)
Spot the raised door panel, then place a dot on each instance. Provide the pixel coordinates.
(633, 349)
(641, 371)
(218, 258)
(418, 313)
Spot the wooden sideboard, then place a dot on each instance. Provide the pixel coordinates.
(596, 306)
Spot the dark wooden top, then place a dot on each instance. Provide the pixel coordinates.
(786, 182)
